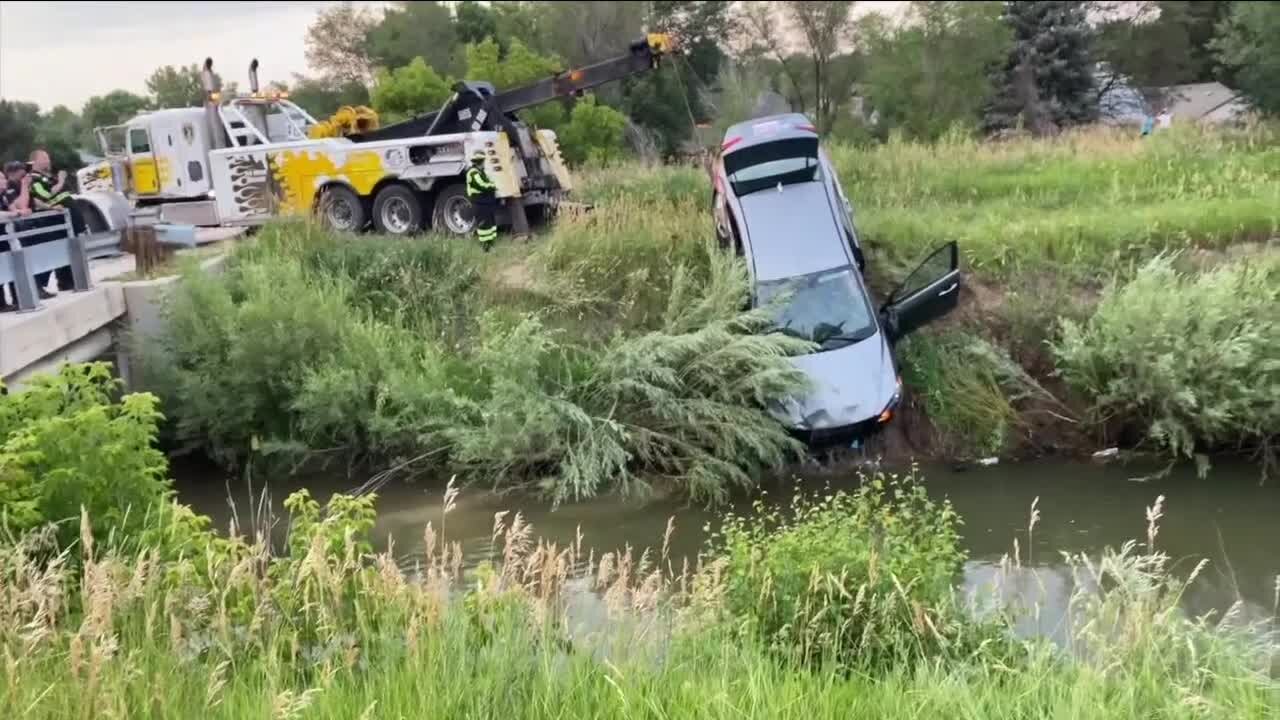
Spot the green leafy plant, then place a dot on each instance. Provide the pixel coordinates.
(861, 578)
(66, 443)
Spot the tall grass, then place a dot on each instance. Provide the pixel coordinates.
(1084, 202)
(331, 630)
(1088, 200)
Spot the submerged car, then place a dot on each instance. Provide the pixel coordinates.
(778, 203)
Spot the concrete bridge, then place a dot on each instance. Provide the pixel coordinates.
(82, 326)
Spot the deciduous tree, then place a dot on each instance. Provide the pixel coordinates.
(410, 90)
(932, 72)
(111, 109)
(412, 30)
(1250, 46)
(337, 42)
(176, 87)
(475, 22)
(323, 96)
(824, 26)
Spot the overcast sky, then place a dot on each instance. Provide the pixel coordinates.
(62, 53)
(56, 53)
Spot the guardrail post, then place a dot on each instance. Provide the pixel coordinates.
(23, 282)
(79, 263)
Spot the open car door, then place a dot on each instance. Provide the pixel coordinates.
(929, 292)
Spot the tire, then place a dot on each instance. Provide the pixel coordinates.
(341, 209)
(453, 213)
(397, 211)
(94, 221)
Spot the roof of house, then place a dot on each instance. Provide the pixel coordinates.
(1197, 100)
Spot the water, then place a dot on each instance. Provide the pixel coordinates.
(1228, 518)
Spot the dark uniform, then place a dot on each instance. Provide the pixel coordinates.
(483, 196)
(7, 197)
(42, 190)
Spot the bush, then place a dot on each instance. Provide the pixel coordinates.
(632, 363)
(1190, 360)
(69, 448)
(860, 578)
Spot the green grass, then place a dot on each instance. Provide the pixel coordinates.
(329, 630)
(1084, 202)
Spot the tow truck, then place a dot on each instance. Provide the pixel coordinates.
(243, 160)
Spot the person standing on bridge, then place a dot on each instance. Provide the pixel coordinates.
(484, 198)
(15, 204)
(49, 193)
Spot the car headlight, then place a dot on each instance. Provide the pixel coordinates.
(887, 414)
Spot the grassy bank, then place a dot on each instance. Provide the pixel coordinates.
(612, 353)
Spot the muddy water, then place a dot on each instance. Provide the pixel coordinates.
(1228, 518)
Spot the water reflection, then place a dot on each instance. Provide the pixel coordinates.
(1228, 518)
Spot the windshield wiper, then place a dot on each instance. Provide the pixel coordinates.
(788, 332)
(849, 338)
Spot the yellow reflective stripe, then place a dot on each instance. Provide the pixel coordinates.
(41, 191)
(478, 181)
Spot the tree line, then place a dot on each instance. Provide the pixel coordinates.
(932, 68)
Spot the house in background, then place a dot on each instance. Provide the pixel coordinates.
(1212, 103)
(1120, 102)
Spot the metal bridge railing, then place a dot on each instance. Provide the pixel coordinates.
(19, 265)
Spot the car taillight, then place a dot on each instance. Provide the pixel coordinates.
(807, 128)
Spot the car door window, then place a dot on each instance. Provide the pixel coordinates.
(931, 291)
(943, 261)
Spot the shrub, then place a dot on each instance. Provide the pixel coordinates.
(861, 578)
(684, 406)
(66, 444)
(1190, 360)
(634, 363)
(70, 449)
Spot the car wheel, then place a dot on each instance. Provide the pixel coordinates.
(341, 209)
(397, 211)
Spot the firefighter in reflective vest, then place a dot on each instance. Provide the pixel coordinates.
(481, 193)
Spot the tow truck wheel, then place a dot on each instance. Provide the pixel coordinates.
(397, 211)
(341, 209)
(453, 212)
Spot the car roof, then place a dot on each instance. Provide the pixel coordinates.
(792, 231)
(768, 129)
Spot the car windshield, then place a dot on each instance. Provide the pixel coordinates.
(828, 307)
(785, 162)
